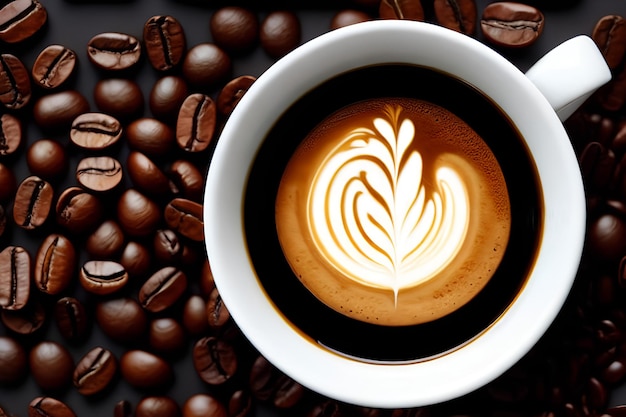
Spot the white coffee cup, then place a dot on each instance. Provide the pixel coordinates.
(536, 102)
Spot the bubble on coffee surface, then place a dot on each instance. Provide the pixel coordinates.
(393, 212)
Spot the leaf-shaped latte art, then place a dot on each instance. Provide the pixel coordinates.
(373, 217)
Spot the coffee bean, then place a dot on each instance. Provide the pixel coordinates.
(33, 200)
(206, 65)
(15, 86)
(8, 183)
(166, 96)
(103, 277)
(240, 404)
(185, 217)
(232, 92)
(146, 175)
(51, 365)
(46, 158)
(136, 259)
(217, 312)
(511, 24)
(71, 319)
(119, 97)
(53, 66)
(401, 9)
(11, 134)
(99, 173)
(609, 34)
(3, 220)
(203, 405)
(458, 15)
(55, 264)
(123, 408)
(106, 241)
(596, 394)
(234, 28)
(607, 237)
(57, 111)
(122, 319)
(145, 370)
(214, 360)
(195, 317)
(614, 372)
(137, 214)
(196, 123)
(95, 131)
(186, 180)
(168, 248)
(15, 276)
(612, 95)
(348, 17)
(26, 320)
(280, 33)
(150, 136)
(165, 42)
(114, 51)
(167, 336)
(269, 384)
(21, 19)
(78, 211)
(162, 289)
(49, 407)
(157, 407)
(94, 371)
(13, 361)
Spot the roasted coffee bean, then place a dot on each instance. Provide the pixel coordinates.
(136, 259)
(232, 92)
(186, 180)
(195, 317)
(597, 163)
(15, 277)
(49, 407)
(348, 17)
(234, 28)
(94, 371)
(106, 241)
(217, 312)
(3, 220)
(162, 289)
(145, 370)
(26, 320)
(610, 36)
(146, 175)
(157, 407)
(240, 404)
(57, 111)
(614, 372)
(103, 277)
(51, 365)
(137, 214)
(46, 158)
(55, 264)
(15, 85)
(166, 96)
(33, 200)
(123, 408)
(95, 131)
(71, 319)
(206, 65)
(11, 134)
(214, 360)
(167, 336)
(99, 173)
(165, 42)
(511, 24)
(269, 384)
(53, 66)
(168, 248)
(122, 319)
(8, 183)
(78, 211)
(119, 97)
(280, 33)
(203, 405)
(458, 15)
(185, 217)
(114, 51)
(150, 136)
(612, 95)
(196, 123)
(21, 19)
(13, 361)
(401, 9)
(607, 237)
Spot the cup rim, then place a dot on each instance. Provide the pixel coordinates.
(501, 345)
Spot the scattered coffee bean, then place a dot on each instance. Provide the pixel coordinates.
(348, 17)
(106, 241)
(459, 15)
(8, 183)
(610, 36)
(114, 51)
(165, 42)
(15, 277)
(94, 371)
(166, 96)
(196, 123)
(214, 360)
(78, 211)
(202, 405)
(26, 320)
(167, 336)
(57, 111)
(99, 173)
(137, 214)
(234, 28)
(122, 319)
(168, 249)
(206, 65)
(217, 312)
(33, 200)
(123, 408)
(49, 407)
(15, 86)
(612, 95)
(55, 264)
(3, 220)
(21, 19)
(607, 236)
(136, 259)
(269, 384)
(401, 9)
(146, 175)
(150, 136)
(119, 97)
(511, 24)
(280, 33)
(53, 66)
(195, 317)
(95, 131)
(51, 365)
(232, 92)
(157, 407)
(71, 319)
(11, 134)
(145, 370)
(185, 217)
(103, 277)
(240, 404)
(186, 180)
(13, 361)
(47, 158)
(162, 289)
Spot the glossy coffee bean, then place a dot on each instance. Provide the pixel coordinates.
(232, 92)
(25, 321)
(13, 361)
(150, 136)
(216, 310)
(15, 277)
(215, 360)
(103, 277)
(99, 173)
(167, 336)
(458, 15)
(153, 406)
(269, 384)
(94, 371)
(162, 289)
(78, 211)
(11, 134)
(122, 319)
(203, 405)
(15, 85)
(123, 408)
(609, 34)
(53, 66)
(240, 404)
(49, 407)
(348, 17)
(186, 180)
(106, 241)
(165, 42)
(401, 9)
(138, 215)
(146, 175)
(47, 158)
(145, 370)
(136, 259)
(196, 123)
(33, 200)
(8, 183)
(21, 19)
(195, 319)
(55, 264)
(185, 217)
(280, 33)
(56, 111)
(166, 96)
(511, 24)
(119, 97)
(607, 236)
(95, 131)
(71, 319)
(114, 51)
(206, 65)
(168, 249)
(51, 365)
(234, 28)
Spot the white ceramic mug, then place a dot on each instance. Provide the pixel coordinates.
(536, 102)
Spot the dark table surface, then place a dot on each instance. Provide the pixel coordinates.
(73, 23)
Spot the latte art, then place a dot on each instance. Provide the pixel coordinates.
(374, 218)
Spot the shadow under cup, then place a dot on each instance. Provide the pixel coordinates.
(392, 343)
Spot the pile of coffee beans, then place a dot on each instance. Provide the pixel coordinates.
(112, 199)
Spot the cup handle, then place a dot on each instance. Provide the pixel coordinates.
(568, 74)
